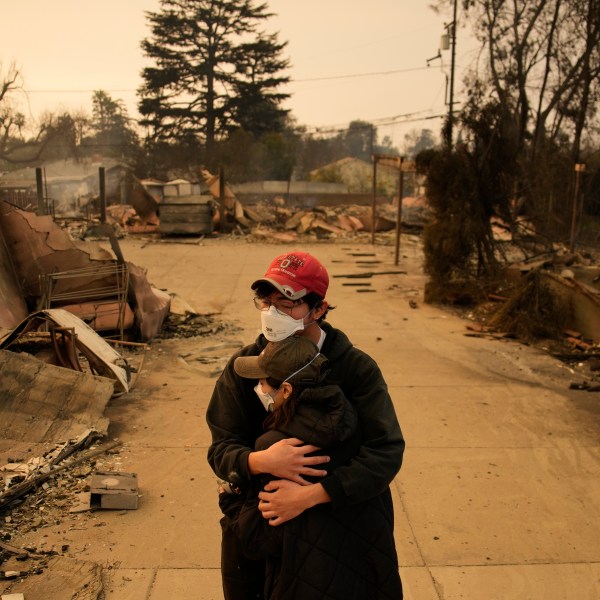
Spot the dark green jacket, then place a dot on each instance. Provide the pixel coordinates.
(235, 416)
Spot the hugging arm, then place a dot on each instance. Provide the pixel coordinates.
(235, 417)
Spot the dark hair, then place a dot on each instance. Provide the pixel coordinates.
(264, 289)
(281, 416)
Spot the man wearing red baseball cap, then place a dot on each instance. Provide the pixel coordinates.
(291, 300)
(291, 297)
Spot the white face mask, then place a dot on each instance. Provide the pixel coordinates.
(267, 400)
(277, 326)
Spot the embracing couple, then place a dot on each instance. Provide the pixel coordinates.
(306, 442)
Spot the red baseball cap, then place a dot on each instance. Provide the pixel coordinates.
(296, 274)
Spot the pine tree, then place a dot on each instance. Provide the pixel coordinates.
(214, 71)
(256, 104)
(112, 133)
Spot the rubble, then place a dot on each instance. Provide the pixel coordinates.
(192, 325)
(73, 341)
(41, 266)
(342, 221)
(184, 321)
(21, 478)
(542, 299)
(43, 403)
(43, 501)
(551, 300)
(272, 216)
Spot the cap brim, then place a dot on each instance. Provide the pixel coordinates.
(248, 367)
(283, 286)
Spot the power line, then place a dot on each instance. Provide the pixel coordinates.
(381, 122)
(358, 75)
(326, 78)
(90, 91)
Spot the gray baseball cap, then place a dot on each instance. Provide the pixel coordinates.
(295, 359)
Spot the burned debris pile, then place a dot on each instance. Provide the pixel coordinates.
(532, 311)
(42, 267)
(191, 325)
(53, 482)
(264, 220)
(551, 300)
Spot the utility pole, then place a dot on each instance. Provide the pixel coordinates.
(452, 65)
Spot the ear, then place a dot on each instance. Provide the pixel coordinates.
(320, 310)
(287, 389)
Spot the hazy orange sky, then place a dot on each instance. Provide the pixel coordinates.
(351, 59)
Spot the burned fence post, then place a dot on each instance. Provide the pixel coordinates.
(39, 185)
(222, 215)
(577, 208)
(374, 206)
(102, 181)
(399, 214)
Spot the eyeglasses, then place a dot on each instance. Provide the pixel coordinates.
(280, 305)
